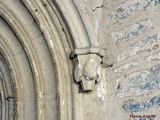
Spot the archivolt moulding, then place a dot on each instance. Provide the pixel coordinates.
(44, 34)
(81, 30)
(87, 50)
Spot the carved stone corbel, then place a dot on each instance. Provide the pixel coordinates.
(87, 70)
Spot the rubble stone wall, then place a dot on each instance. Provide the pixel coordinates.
(129, 32)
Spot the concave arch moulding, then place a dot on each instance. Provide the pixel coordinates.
(39, 39)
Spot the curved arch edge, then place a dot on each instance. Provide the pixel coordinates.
(86, 49)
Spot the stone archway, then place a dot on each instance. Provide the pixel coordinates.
(36, 40)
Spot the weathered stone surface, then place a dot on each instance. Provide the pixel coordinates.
(126, 66)
(36, 40)
(131, 38)
(146, 45)
(133, 106)
(132, 31)
(127, 8)
(152, 57)
(139, 82)
(128, 31)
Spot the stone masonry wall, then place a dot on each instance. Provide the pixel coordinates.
(129, 31)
